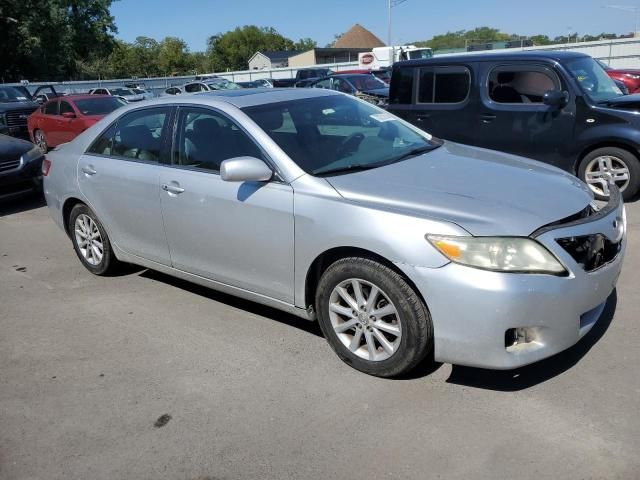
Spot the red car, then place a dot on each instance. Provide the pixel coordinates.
(62, 119)
(629, 76)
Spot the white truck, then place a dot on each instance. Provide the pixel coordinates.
(384, 57)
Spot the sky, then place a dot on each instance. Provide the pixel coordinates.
(195, 20)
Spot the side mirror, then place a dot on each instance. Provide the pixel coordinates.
(40, 99)
(555, 98)
(69, 115)
(245, 169)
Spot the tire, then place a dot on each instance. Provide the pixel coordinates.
(408, 332)
(605, 161)
(40, 140)
(83, 220)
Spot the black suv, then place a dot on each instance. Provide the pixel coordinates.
(557, 107)
(16, 105)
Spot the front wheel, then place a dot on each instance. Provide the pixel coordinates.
(372, 318)
(610, 164)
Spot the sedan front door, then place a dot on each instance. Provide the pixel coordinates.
(237, 233)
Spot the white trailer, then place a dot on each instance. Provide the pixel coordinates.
(383, 57)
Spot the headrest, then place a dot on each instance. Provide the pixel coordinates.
(206, 126)
(269, 119)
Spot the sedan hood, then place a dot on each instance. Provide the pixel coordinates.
(484, 192)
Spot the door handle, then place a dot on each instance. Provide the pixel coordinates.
(172, 188)
(487, 117)
(88, 170)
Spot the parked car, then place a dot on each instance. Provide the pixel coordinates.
(557, 107)
(44, 93)
(264, 82)
(172, 91)
(330, 208)
(20, 167)
(630, 77)
(62, 119)
(123, 93)
(249, 84)
(382, 74)
(364, 86)
(15, 107)
(141, 89)
(210, 85)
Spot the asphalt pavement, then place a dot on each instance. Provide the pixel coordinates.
(142, 376)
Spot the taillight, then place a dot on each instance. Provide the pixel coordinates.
(46, 166)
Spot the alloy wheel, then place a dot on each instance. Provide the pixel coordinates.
(604, 169)
(365, 320)
(88, 239)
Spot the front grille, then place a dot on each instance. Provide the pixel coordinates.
(591, 251)
(18, 118)
(5, 165)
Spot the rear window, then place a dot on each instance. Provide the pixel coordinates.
(401, 86)
(98, 105)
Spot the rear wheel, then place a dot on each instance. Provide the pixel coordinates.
(372, 318)
(610, 164)
(90, 241)
(40, 141)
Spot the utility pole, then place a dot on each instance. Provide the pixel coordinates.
(390, 5)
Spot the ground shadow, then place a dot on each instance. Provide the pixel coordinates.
(22, 203)
(525, 377)
(236, 302)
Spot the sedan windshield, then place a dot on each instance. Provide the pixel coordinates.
(336, 134)
(98, 105)
(12, 94)
(366, 82)
(593, 80)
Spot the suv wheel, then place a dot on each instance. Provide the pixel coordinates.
(372, 318)
(90, 241)
(610, 164)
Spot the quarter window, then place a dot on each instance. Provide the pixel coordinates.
(136, 135)
(444, 85)
(204, 139)
(520, 85)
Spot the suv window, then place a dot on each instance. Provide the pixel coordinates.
(51, 108)
(444, 85)
(136, 135)
(326, 83)
(526, 84)
(204, 138)
(65, 108)
(401, 86)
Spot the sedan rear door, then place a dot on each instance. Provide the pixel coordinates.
(119, 176)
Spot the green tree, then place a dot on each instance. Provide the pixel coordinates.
(231, 50)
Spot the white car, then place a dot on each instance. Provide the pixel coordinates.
(125, 94)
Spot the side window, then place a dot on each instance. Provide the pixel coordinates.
(342, 86)
(103, 145)
(51, 108)
(205, 138)
(192, 88)
(137, 135)
(521, 84)
(444, 85)
(66, 108)
(401, 86)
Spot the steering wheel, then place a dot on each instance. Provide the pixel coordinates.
(349, 144)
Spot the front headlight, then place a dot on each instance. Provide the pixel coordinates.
(501, 254)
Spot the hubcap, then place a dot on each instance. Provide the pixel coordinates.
(89, 239)
(365, 320)
(605, 169)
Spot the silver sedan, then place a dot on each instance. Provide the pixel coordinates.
(400, 245)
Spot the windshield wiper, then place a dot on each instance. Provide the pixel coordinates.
(413, 153)
(347, 168)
